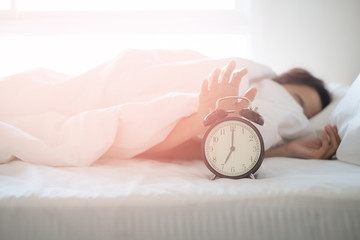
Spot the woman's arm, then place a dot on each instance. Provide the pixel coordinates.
(225, 82)
(310, 147)
(221, 83)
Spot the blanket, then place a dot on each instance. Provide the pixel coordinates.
(123, 107)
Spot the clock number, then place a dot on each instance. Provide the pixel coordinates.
(244, 167)
(213, 158)
(232, 128)
(233, 169)
(222, 131)
(251, 159)
(255, 148)
(210, 148)
(251, 138)
(215, 139)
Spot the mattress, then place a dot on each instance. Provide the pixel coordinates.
(150, 199)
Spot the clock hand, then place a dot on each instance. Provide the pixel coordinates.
(232, 148)
(228, 156)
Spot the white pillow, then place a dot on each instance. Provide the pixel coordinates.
(347, 118)
(320, 120)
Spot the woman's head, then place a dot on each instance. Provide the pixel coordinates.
(307, 90)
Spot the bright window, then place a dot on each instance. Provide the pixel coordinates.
(72, 36)
(4, 5)
(120, 5)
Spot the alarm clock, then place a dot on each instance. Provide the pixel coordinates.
(232, 146)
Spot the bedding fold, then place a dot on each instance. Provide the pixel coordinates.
(122, 107)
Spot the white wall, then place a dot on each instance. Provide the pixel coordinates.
(322, 36)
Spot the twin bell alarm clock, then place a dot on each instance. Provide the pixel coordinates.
(232, 146)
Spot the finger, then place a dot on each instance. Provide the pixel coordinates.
(330, 132)
(332, 135)
(226, 72)
(324, 145)
(333, 143)
(237, 76)
(213, 78)
(338, 139)
(250, 94)
(204, 88)
(330, 144)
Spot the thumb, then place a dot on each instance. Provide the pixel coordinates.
(251, 93)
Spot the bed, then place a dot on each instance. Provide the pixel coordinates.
(45, 197)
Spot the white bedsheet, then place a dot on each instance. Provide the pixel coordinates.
(122, 107)
(146, 199)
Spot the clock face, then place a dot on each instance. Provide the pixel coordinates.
(233, 148)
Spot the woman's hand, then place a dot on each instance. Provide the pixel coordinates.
(222, 83)
(317, 148)
(309, 148)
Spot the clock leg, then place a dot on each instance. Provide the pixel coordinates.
(213, 177)
(252, 176)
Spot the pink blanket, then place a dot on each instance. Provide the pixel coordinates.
(120, 108)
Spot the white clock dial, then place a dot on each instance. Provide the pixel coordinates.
(233, 148)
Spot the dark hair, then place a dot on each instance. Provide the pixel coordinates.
(300, 76)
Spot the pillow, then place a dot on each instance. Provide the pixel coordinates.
(320, 120)
(347, 118)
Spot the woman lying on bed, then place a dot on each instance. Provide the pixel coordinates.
(308, 91)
